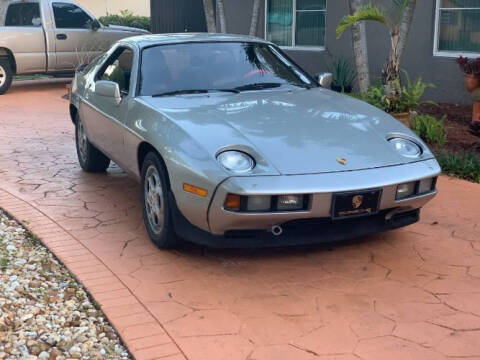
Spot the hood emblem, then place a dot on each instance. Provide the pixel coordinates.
(357, 201)
(342, 161)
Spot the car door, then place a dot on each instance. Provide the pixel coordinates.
(103, 117)
(75, 41)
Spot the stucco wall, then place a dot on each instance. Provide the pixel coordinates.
(102, 7)
(418, 59)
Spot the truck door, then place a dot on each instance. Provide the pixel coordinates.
(75, 41)
(29, 45)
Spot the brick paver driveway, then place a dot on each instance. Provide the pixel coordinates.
(408, 294)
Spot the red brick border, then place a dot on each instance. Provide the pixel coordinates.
(140, 331)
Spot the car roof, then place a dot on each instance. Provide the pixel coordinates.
(178, 38)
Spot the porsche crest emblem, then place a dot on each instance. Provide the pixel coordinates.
(342, 161)
(357, 201)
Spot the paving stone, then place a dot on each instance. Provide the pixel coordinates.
(265, 304)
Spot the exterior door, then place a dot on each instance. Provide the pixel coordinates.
(104, 119)
(75, 41)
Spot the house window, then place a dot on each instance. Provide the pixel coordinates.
(458, 27)
(299, 23)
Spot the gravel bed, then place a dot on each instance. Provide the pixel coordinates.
(44, 312)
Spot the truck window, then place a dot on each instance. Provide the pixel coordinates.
(70, 16)
(118, 68)
(23, 14)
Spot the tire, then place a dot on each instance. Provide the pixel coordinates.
(6, 75)
(90, 158)
(156, 209)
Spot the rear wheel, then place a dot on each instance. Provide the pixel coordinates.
(6, 75)
(156, 209)
(90, 158)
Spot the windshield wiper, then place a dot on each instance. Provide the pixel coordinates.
(258, 86)
(194, 91)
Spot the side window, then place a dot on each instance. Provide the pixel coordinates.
(118, 68)
(70, 16)
(23, 14)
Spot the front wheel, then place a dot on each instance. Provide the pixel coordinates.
(156, 209)
(90, 158)
(6, 75)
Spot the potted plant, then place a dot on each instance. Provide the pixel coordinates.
(471, 69)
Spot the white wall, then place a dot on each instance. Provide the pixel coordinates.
(102, 7)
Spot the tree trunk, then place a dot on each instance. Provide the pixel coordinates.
(405, 26)
(360, 50)
(3, 10)
(255, 17)
(391, 69)
(210, 16)
(221, 16)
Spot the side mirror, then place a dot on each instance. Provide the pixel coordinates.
(325, 80)
(95, 25)
(108, 89)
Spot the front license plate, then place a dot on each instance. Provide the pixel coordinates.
(356, 204)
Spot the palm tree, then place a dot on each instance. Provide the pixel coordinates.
(397, 19)
(255, 17)
(221, 16)
(210, 16)
(360, 50)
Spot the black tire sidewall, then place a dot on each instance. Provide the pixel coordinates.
(82, 163)
(96, 161)
(167, 238)
(5, 64)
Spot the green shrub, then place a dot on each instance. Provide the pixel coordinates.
(406, 97)
(411, 94)
(343, 74)
(430, 129)
(465, 165)
(127, 18)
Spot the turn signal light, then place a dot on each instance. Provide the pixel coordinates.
(233, 202)
(195, 190)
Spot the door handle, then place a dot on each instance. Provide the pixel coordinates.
(61, 36)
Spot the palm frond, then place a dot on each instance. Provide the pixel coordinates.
(396, 11)
(364, 13)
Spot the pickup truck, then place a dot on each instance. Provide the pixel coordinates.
(51, 37)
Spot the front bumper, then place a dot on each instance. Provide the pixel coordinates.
(314, 226)
(323, 187)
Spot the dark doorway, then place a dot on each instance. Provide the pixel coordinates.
(173, 16)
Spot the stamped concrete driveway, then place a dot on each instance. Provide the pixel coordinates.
(407, 294)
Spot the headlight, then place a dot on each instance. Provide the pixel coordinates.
(406, 147)
(236, 161)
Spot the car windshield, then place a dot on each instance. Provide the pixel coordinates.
(168, 70)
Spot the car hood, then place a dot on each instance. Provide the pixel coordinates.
(296, 132)
(127, 29)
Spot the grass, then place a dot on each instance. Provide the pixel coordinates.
(462, 165)
(31, 77)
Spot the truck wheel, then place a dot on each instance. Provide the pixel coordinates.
(156, 209)
(90, 158)
(6, 75)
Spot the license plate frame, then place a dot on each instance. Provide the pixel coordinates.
(369, 204)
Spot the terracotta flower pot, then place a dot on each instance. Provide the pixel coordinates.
(472, 82)
(403, 117)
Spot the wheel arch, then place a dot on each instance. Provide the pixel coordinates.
(143, 149)
(7, 53)
(73, 113)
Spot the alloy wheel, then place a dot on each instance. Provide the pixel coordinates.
(82, 141)
(154, 201)
(3, 76)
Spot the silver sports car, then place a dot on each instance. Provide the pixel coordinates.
(235, 145)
